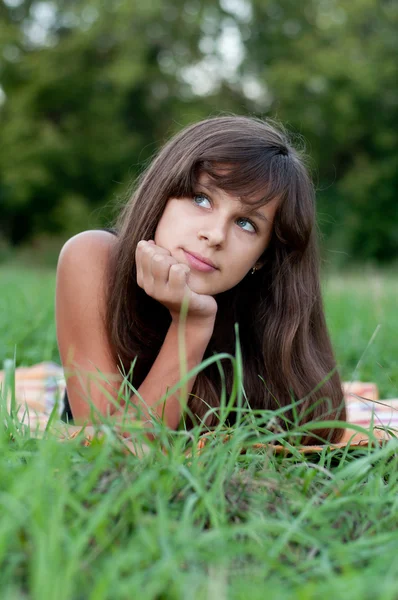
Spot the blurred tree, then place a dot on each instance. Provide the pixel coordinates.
(91, 88)
(85, 105)
(328, 69)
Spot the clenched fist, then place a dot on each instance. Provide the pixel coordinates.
(165, 279)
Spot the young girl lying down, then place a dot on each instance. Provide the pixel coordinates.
(224, 217)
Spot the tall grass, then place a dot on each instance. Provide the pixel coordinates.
(233, 521)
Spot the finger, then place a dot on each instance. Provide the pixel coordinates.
(147, 268)
(154, 266)
(143, 256)
(159, 249)
(178, 275)
(146, 258)
(138, 261)
(160, 267)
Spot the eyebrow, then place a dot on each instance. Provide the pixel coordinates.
(255, 213)
(245, 210)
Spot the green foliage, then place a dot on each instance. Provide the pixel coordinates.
(94, 522)
(361, 315)
(357, 307)
(27, 319)
(328, 68)
(91, 89)
(97, 522)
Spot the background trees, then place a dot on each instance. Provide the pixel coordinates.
(90, 88)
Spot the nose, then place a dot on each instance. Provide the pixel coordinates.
(214, 230)
(214, 234)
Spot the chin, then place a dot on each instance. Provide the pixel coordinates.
(201, 288)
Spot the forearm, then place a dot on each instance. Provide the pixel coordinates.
(166, 372)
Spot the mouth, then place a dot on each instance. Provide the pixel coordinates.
(200, 263)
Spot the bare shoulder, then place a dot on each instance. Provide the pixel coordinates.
(81, 289)
(83, 259)
(87, 245)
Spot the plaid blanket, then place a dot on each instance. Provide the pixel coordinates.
(41, 387)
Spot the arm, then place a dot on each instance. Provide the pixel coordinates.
(166, 280)
(83, 345)
(165, 371)
(79, 308)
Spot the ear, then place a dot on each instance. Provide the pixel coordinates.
(259, 264)
(262, 260)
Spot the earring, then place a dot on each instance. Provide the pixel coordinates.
(253, 271)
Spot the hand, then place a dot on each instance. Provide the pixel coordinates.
(165, 279)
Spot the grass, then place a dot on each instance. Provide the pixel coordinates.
(96, 523)
(358, 307)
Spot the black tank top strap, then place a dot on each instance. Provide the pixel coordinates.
(110, 229)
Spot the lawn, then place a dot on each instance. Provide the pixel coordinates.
(94, 523)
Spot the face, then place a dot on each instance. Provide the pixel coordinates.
(219, 228)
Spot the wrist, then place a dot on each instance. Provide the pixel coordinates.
(195, 324)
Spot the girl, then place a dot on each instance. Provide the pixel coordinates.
(225, 217)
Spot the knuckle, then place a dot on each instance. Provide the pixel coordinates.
(139, 254)
(163, 251)
(177, 268)
(149, 289)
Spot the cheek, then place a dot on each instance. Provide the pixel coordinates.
(162, 228)
(175, 220)
(157, 235)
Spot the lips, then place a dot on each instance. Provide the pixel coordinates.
(203, 259)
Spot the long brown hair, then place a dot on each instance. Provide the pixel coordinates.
(286, 350)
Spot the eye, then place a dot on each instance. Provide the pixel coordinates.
(254, 228)
(197, 199)
(201, 197)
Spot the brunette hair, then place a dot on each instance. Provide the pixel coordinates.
(286, 350)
